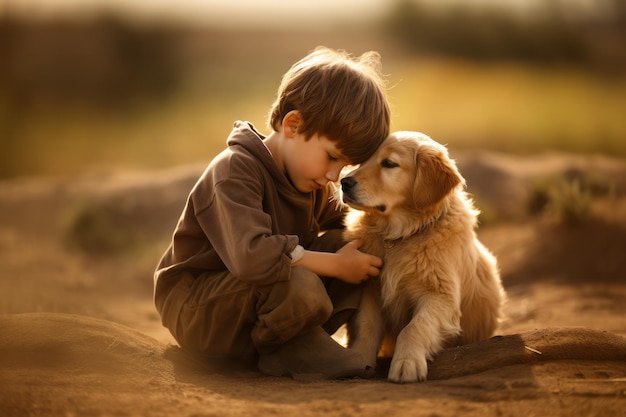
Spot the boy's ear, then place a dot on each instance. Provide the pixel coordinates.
(291, 123)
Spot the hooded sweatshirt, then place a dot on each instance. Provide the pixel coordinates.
(244, 215)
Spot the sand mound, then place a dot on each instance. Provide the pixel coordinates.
(68, 342)
(61, 364)
(543, 345)
(63, 343)
(53, 362)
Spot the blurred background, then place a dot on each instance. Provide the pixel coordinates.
(111, 109)
(157, 83)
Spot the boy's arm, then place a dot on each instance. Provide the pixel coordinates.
(347, 264)
(230, 213)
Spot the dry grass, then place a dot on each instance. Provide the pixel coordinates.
(512, 108)
(507, 107)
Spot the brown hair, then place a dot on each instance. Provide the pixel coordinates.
(339, 97)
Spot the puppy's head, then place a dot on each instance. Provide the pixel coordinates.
(409, 171)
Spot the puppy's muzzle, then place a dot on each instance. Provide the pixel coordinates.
(349, 194)
(347, 188)
(347, 183)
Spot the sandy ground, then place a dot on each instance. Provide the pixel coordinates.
(80, 336)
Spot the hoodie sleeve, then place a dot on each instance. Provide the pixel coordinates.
(239, 230)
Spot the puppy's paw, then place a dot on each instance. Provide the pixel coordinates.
(405, 370)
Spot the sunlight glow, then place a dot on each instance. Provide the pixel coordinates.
(266, 13)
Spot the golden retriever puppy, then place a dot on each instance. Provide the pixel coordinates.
(439, 286)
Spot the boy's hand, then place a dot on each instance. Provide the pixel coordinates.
(348, 264)
(356, 266)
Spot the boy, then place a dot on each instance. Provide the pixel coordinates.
(257, 269)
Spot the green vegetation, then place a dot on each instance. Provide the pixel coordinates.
(512, 107)
(100, 229)
(568, 199)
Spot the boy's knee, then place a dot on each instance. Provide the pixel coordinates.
(309, 293)
(284, 309)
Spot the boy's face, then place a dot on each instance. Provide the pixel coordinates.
(311, 164)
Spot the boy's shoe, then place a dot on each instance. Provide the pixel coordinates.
(314, 354)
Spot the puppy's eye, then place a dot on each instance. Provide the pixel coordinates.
(387, 163)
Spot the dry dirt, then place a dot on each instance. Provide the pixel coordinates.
(80, 337)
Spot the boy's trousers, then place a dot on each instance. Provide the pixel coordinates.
(220, 316)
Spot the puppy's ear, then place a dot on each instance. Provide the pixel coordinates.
(437, 175)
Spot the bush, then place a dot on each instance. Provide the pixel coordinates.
(99, 228)
(568, 200)
(495, 34)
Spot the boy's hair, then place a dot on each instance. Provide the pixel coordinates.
(339, 97)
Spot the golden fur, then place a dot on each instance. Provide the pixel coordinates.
(439, 285)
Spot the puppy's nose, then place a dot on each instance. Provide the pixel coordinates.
(347, 183)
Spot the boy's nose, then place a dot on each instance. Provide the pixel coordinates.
(332, 176)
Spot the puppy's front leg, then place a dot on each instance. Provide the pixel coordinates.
(436, 319)
(366, 329)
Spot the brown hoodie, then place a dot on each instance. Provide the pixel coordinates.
(243, 215)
